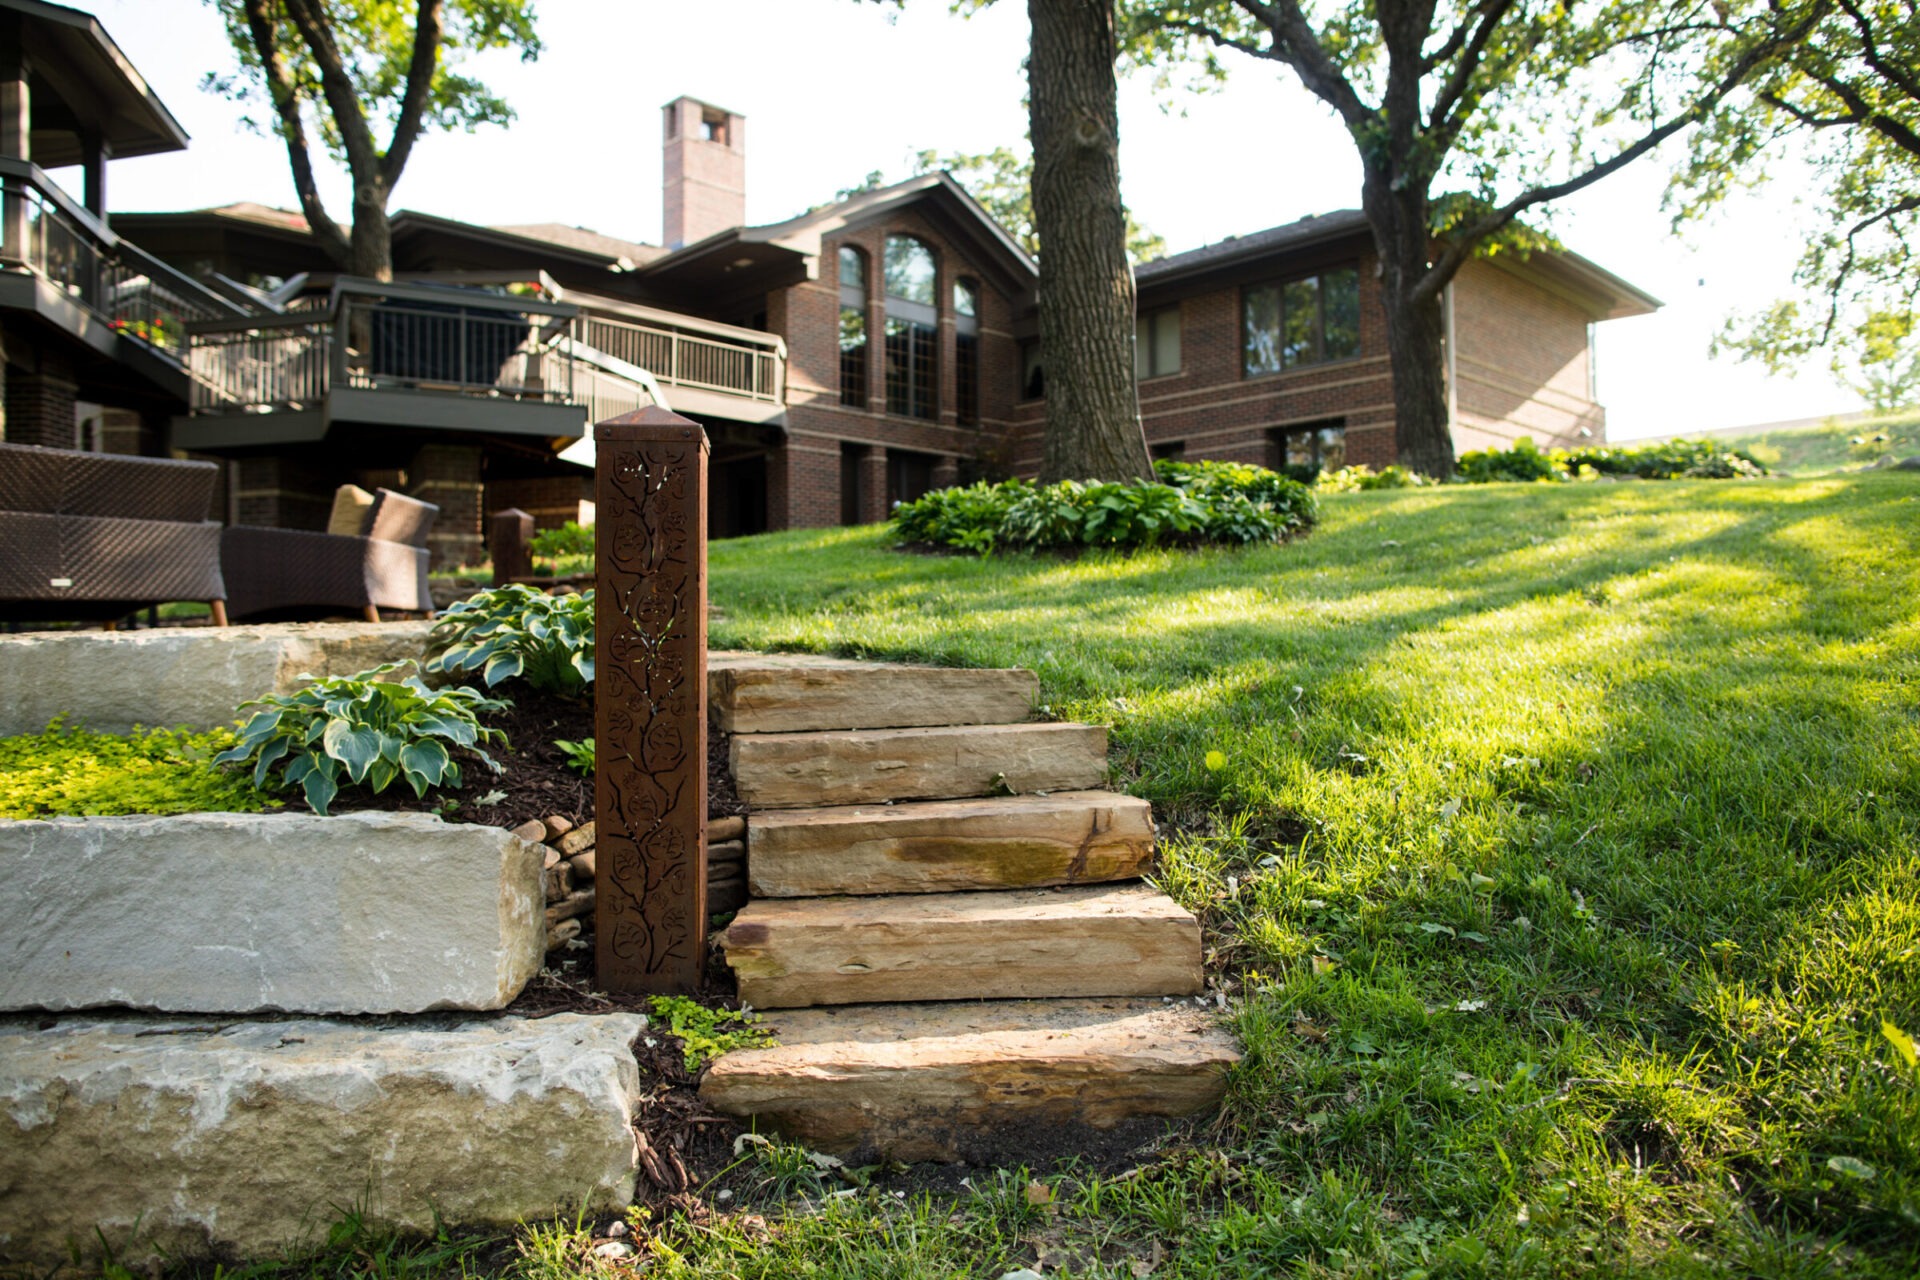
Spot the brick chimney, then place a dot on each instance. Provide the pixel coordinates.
(705, 188)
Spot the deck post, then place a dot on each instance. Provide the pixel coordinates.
(509, 533)
(650, 703)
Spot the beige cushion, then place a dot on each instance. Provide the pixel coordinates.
(351, 506)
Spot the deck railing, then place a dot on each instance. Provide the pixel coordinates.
(682, 358)
(45, 233)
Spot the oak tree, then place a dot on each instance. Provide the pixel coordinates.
(347, 73)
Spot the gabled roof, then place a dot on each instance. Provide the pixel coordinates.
(76, 63)
(585, 240)
(1602, 293)
(800, 238)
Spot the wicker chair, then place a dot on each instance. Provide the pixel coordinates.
(287, 571)
(96, 536)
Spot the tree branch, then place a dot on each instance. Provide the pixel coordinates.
(337, 87)
(1907, 205)
(285, 94)
(1870, 51)
(1462, 75)
(1295, 44)
(1462, 243)
(1894, 130)
(428, 28)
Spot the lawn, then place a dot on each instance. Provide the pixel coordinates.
(1818, 450)
(1557, 847)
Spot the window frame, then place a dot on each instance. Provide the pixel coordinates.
(1279, 286)
(1150, 320)
(966, 353)
(854, 391)
(910, 337)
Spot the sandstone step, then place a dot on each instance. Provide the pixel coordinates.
(862, 766)
(941, 846)
(772, 694)
(962, 1081)
(183, 1140)
(1097, 940)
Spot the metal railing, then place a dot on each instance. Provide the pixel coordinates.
(375, 336)
(679, 358)
(44, 232)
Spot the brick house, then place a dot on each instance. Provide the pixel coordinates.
(868, 350)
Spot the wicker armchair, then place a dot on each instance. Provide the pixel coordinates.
(287, 571)
(98, 536)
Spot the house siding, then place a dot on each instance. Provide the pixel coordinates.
(1523, 364)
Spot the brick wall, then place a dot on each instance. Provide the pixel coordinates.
(449, 477)
(1522, 365)
(550, 500)
(704, 182)
(286, 491)
(40, 393)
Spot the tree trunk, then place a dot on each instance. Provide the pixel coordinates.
(372, 238)
(1416, 326)
(1086, 284)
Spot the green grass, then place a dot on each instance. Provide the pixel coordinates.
(1807, 451)
(1562, 865)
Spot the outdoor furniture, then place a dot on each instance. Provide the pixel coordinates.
(98, 536)
(383, 566)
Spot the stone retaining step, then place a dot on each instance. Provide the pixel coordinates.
(864, 766)
(756, 693)
(1099, 940)
(187, 1140)
(947, 1082)
(941, 846)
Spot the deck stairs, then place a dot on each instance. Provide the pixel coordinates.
(947, 932)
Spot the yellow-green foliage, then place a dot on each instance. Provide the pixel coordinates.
(698, 1027)
(72, 771)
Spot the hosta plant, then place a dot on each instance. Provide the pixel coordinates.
(364, 731)
(517, 631)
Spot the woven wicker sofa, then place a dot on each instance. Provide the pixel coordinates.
(96, 536)
(301, 571)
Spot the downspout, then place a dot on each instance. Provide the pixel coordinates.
(1453, 364)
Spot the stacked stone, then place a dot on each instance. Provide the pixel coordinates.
(567, 874)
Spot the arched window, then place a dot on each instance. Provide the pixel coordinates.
(912, 326)
(853, 327)
(966, 353)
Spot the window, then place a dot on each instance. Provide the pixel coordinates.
(1305, 450)
(1169, 451)
(912, 370)
(853, 327)
(1156, 343)
(909, 476)
(1301, 322)
(1033, 381)
(713, 127)
(966, 353)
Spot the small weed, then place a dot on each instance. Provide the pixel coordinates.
(706, 1033)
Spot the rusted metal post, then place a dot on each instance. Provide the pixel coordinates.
(508, 534)
(650, 703)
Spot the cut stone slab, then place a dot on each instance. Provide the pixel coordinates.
(1099, 940)
(247, 913)
(863, 766)
(748, 697)
(949, 1082)
(195, 676)
(179, 1140)
(941, 846)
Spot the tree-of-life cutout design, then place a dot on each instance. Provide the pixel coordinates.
(650, 712)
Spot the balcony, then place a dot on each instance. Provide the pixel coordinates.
(64, 265)
(706, 369)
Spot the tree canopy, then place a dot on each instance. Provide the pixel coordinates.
(351, 74)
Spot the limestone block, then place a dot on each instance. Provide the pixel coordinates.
(247, 912)
(179, 1139)
(863, 766)
(194, 676)
(957, 1081)
(1100, 940)
(770, 698)
(940, 846)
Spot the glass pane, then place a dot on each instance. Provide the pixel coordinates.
(963, 299)
(1333, 448)
(899, 353)
(853, 357)
(1166, 342)
(909, 270)
(1142, 347)
(853, 270)
(1300, 449)
(924, 338)
(966, 379)
(1033, 383)
(1262, 351)
(1302, 342)
(1341, 292)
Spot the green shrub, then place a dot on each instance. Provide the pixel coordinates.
(74, 772)
(569, 540)
(1523, 462)
(1360, 477)
(1199, 502)
(515, 630)
(366, 732)
(1668, 460)
(580, 755)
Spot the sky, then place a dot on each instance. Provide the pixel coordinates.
(835, 89)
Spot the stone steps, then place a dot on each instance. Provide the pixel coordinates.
(945, 846)
(761, 693)
(867, 766)
(948, 1081)
(1097, 940)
